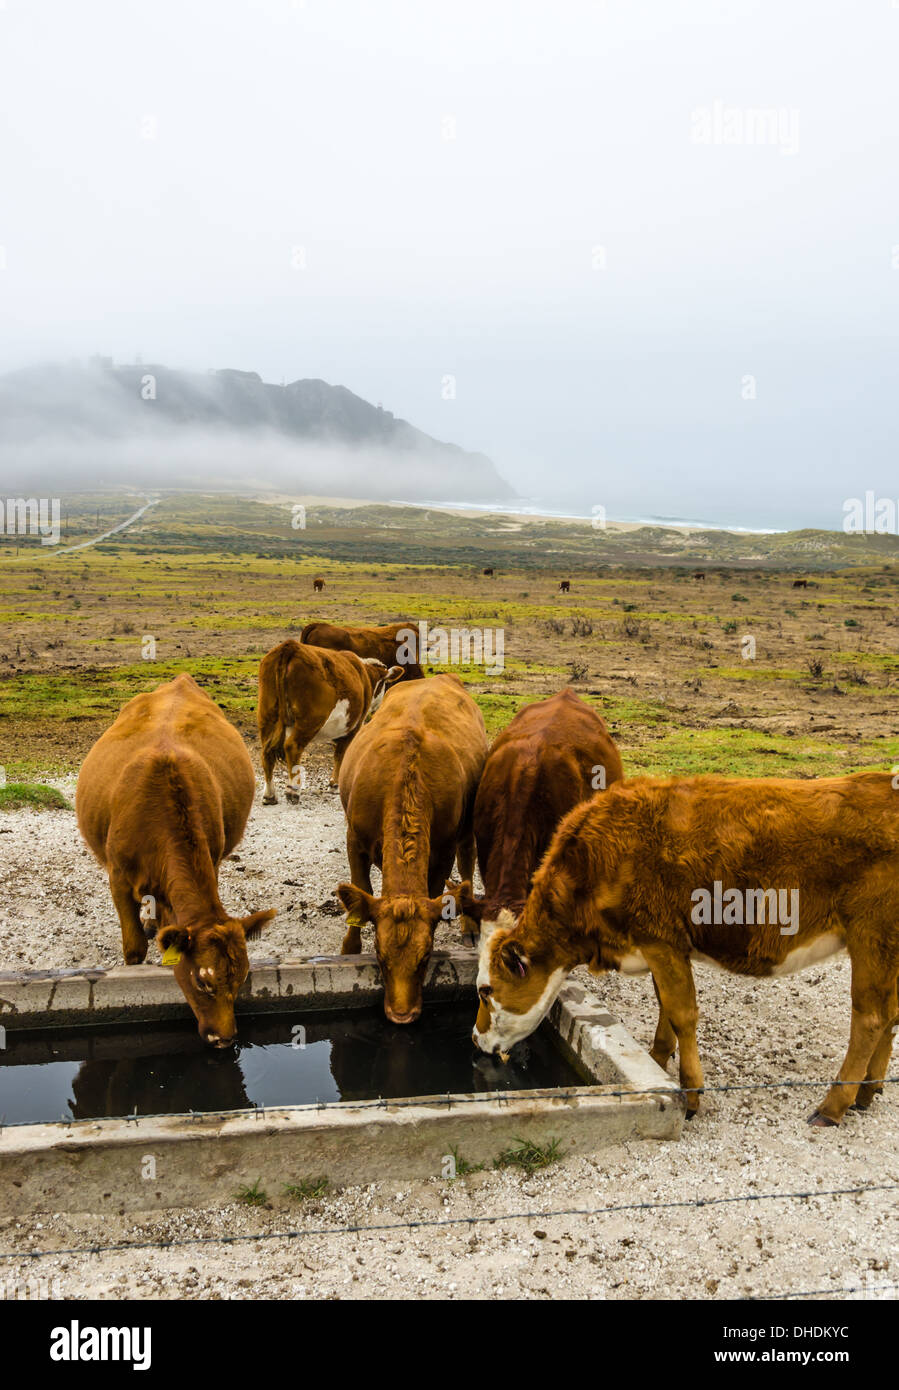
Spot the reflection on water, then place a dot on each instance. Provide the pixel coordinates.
(354, 1055)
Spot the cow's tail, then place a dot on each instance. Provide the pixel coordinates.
(274, 717)
(304, 635)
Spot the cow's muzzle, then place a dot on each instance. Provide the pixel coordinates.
(402, 1016)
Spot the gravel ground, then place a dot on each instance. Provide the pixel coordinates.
(55, 911)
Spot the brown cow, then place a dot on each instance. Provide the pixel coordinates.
(565, 586)
(490, 573)
(699, 574)
(800, 583)
(408, 785)
(318, 584)
(657, 873)
(551, 756)
(163, 796)
(310, 695)
(391, 645)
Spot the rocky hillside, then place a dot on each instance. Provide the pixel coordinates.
(147, 423)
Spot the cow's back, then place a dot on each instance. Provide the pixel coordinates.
(833, 841)
(383, 643)
(553, 755)
(173, 732)
(432, 728)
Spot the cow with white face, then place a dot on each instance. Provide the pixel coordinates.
(517, 986)
(655, 874)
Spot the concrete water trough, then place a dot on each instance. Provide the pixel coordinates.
(316, 1017)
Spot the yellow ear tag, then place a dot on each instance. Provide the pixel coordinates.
(171, 955)
(355, 921)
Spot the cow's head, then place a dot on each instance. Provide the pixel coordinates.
(210, 964)
(404, 939)
(382, 678)
(517, 982)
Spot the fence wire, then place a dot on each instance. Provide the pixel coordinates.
(560, 1093)
(430, 1223)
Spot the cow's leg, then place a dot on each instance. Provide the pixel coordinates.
(465, 855)
(340, 747)
(360, 876)
(665, 1041)
(873, 1001)
(294, 748)
(134, 938)
(270, 739)
(269, 796)
(439, 870)
(673, 977)
(879, 1064)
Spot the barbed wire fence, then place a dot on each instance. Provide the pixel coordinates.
(451, 1100)
(866, 1290)
(670, 1090)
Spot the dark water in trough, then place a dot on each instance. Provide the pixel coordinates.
(164, 1068)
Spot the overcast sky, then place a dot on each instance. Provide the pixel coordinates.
(643, 303)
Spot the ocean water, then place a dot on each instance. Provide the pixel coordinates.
(530, 506)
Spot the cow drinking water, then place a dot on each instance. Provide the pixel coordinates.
(761, 877)
(408, 785)
(163, 796)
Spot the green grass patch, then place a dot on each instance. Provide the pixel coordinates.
(750, 753)
(528, 1156)
(16, 795)
(306, 1188)
(93, 693)
(254, 1196)
(750, 671)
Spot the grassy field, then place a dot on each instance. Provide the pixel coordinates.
(209, 584)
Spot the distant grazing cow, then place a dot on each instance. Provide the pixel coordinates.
(408, 785)
(318, 584)
(699, 574)
(490, 572)
(551, 756)
(312, 695)
(762, 877)
(800, 583)
(391, 645)
(163, 796)
(565, 586)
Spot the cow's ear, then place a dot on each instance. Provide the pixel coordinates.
(359, 906)
(253, 924)
(513, 957)
(395, 674)
(174, 939)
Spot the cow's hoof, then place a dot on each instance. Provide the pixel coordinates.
(820, 1121)
(269, 801)
(691, 1113)
(865, 1097)
(292, 798)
